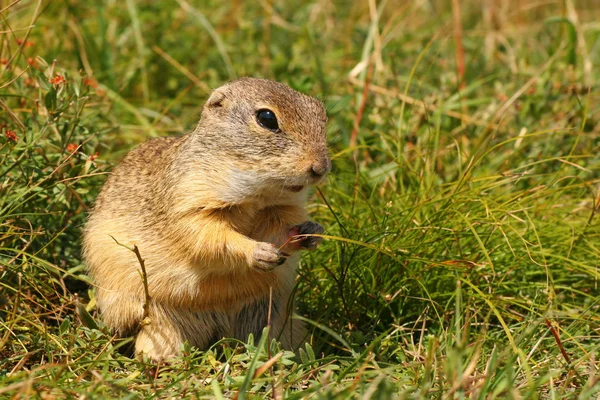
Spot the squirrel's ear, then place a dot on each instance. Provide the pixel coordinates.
(216, 99)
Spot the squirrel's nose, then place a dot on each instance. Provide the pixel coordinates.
(320, 168)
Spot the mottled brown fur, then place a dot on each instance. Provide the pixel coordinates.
(209, 212)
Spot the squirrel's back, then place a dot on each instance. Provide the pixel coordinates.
(138, 178)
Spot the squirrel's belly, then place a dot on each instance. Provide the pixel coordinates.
(227, 291)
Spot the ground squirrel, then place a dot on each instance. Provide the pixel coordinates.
(210, 212)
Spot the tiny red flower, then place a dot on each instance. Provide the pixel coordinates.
(3, 61)
(28, 43)
(94, 156)
(11, 135)
(72, 147)
(57, 80)
(91, 82)
(30, 82)
(31, 61)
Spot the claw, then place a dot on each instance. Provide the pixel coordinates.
(306, 228)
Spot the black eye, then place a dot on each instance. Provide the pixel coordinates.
(267, 119)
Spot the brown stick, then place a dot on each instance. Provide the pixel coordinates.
(460, 51)
(363, 103)
(12, 319)
(558, 341)
(145, 282)
(203, 86)
(271, 361)
(136, 251)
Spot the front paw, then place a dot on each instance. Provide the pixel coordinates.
(267, 257)
(306, 242)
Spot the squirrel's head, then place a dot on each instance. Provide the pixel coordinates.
(269, 139)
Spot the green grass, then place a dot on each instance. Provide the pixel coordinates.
(463, 248)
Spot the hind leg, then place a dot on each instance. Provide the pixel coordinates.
(170, 328)
(158, 341)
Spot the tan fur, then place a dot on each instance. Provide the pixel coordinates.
(208, 212)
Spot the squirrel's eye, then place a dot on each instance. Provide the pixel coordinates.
(267, 119)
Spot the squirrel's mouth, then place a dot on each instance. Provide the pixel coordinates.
(295, 189)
